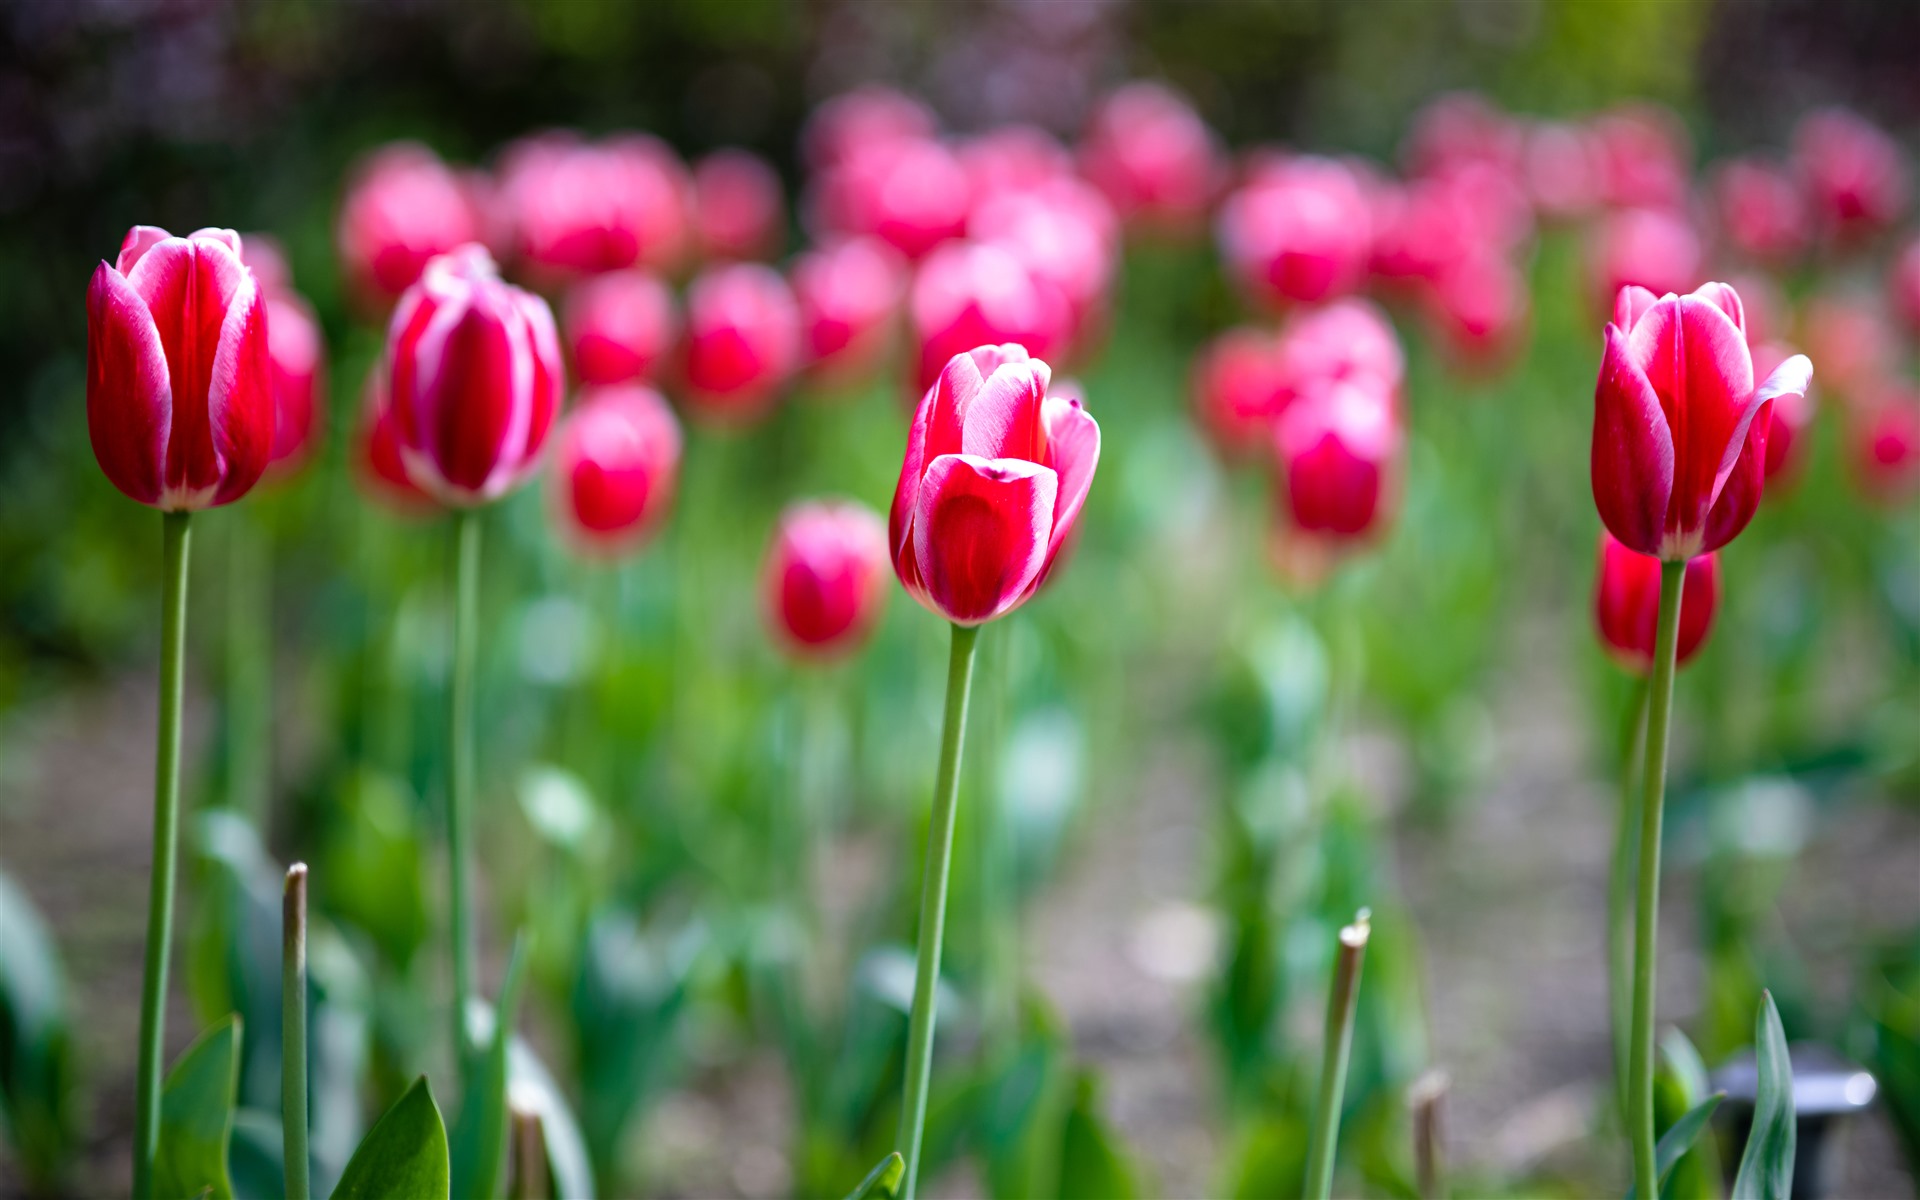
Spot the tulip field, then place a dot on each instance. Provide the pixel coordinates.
(1025, 600)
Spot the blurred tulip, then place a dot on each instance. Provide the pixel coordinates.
(1679, 429)
(570, 207)
(1885, 444)
(1761, 211)
(616, 460)
(995, 474)
(1012, 158)
(1300, 232)
(1853, 341)
(403, 207)
(1903, 285)
(1792, 417)
(1644, 156)
(1067, 236)
(1626, 604)
(295, 349)
(1237, 390)
(862, 118)
(1463, 128)
(180, 403)
(1338, 450)
(1644, 247)
(1349, 340)
(976, 294)
(1156, 160)
(909, 192)
(376, 452)
(849, 293)
(742, 344)
(825, 578)
(739, 209)
(620, 326)
(1479, 306)
(1856, 175)
(474, 379)
(1562, 170)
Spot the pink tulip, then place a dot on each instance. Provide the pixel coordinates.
(1012, 158)
(995, 475)
(616, 461)
(1885, 444)
(570, 207)
(1679, 429)
(1562, 169)
(1856, 175)
(1855, 344)
(1068, 238)
(743, 342)
(1461, 129)
(862, 118)
(1347, 341)
(179, 380)
(739, 211)
(403, 207)
(1299, 232)
(1903, 283)
(620, 326)
(474, 379)
(1156, 160)
(977, 294)
(1649, 248)
(1626, 604)
(909, 192)
(376, 452)
(825, 578)
(1338, 451)
(1769, 317)
(1761, 210)
(1645, 157)
(1479, 305)
(295, 349)
(1237, 390)
(849, 293)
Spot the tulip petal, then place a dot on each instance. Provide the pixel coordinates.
(129, 392)
(1723, 297)
(1791, 378)
(474, 369)
(951, 393)
(980, 533)
(1632, 303)
(240, 407)
(139, 240)
(1003, 418)
(1698, 364)
(1073, 451)
(1632, 450)
(906, 493)
(1739, 496)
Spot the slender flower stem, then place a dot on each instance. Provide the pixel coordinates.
(466, 630)
(1647, 913)
(1333, 1064)
(1620, 890)
(176, 543)
(933, 901)
(293, 1032)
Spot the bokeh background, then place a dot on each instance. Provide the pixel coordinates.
(1141, 876)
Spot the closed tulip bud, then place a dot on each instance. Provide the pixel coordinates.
(1339, 450)
(616, 460)
(1238, 389)
(569, 207)
(1856, 175)
(1156, 160)
(995, 474)
(1299, 232)
(1885, 444)
(376, 452)
(1626, 604)
(1903, 283)
(620, 326)
(825, 576)
(739, 211)
(474, 379)
(864, 117)
(743, 341)
(179, 382)
(849, 293)
(1761, 210)
(1645, 157)
(1650, 248)
(1791, 422)
(978, 294)
(1679, 429)
(403, 207)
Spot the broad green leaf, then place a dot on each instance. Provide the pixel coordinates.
(883, 1182)
(404, 1156)
(37, 1074)
(1766, 1167)
(196, 1116)
(480, 1135)
(1679, 1138)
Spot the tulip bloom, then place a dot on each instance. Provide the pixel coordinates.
(848, 293)
(570, 207)
(1461, 129)
(1626, 604)
(1156, 160)
(1299, 232)
(972, 294)
(616, 460)
(910, 192)
(620, 326)
(1238, 389)
(743, 341)
(1856, 175)
(179, 379)
(1067, 237)
(864, 117)
(1338, 451)
(1562, 170)
(474, 379)
(1761, 210)
(1644, 156)
(1653, 249)
(376, 452)
(1885, 445)
(403, 207)
(995, 474)
(825, 576)
(1679, 429)
(1012, 158)
(739, 211)
(1479, 305)
(1349, 340)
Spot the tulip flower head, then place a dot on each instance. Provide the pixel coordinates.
(743, 341)
(1298, 232)
(1762, 212)
(1644, 155)
(1885, 444)
(1349, 339)
(1854, 342)
(1238, 389)
(1679, 429)
(1651, 248)
(179, 378)
(1856, 174)
(1156, 160)
(863, 117)
(849, 293)
(1010, 159)
(1338, 449)
(825, 577)
(403, 207)
(1068, 238)
(376, 452)
(1479, 306)
(995, 474)
(620, 326)
(616, 460)
(1562, 170)
(971, 294)
(738, 209)
(474, 379)
(571, 207)
(1626, 604)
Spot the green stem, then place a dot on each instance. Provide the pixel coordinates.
(1620, 890)
(1341, 1000)
(933, 901)
(1647, 911)
(293, 1032)
(466, 630)
(166, 847)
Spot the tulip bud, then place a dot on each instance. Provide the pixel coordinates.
(1237, 390)
(403, 207)
(376, 452)
(1885, 445)
(1626, 604)
(179, 383)
(743, 341)
(1679, 429)
(825, 576)
(738, 208)
(616, 460)
(848, 293)
(1650, 248)
(1156, 160)
(1298, 232)
(570, 207)
(620, 326)
(996, 472)
(972, 294)
(1339, 449)
(475, 379)
(1761, 211)
(1855, 174)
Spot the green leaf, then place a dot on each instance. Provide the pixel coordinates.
(1093, 1163)
(196, 1116)
(404, 1156)
(1680, 1136)
(883, 1182)
(480, 1135)
(1766, 1167)
(1688, 1068)
(37, 1071)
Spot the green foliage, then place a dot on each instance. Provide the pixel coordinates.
(37, 1074)
(883, 1182)
(479, 1146)
(1766, 1165)
(404, 1156)
(196, 1116)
